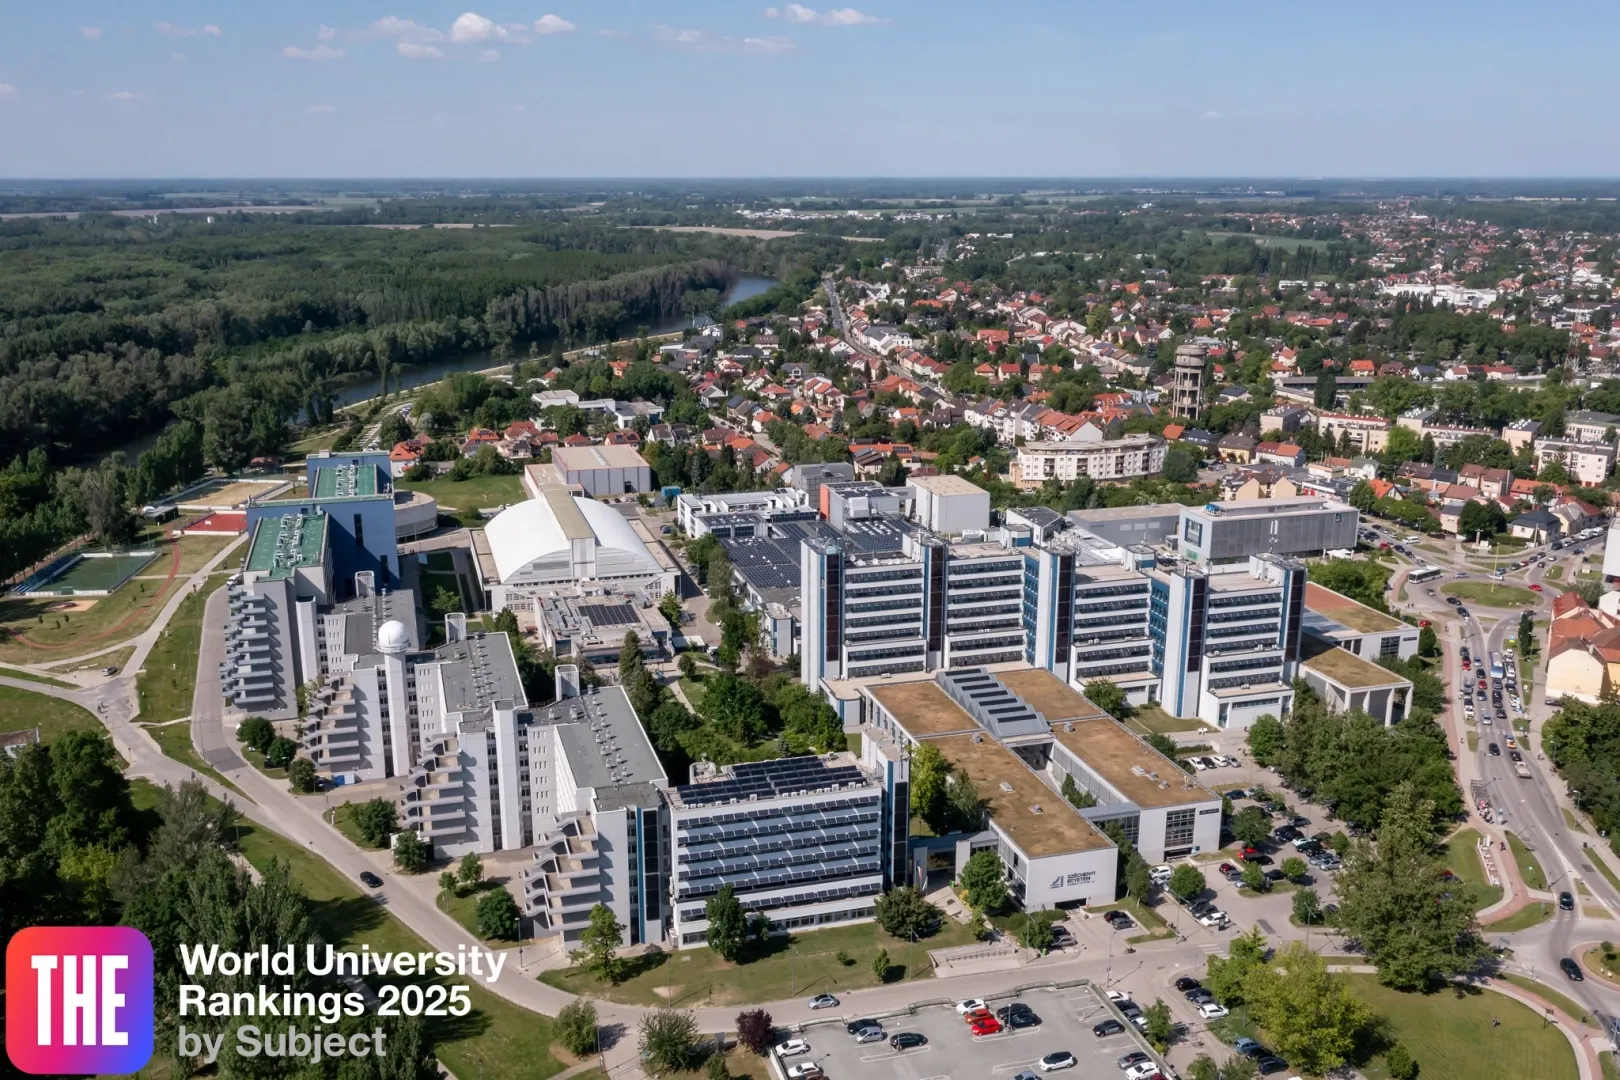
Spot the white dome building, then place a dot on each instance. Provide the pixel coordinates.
(560, 540)
(392, 637)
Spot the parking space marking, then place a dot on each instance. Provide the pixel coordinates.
(893, 1054)
(1013, 1065)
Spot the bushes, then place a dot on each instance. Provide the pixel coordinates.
(576, 1027)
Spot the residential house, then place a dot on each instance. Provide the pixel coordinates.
(1236, 448)
(1493, 483)
(1275, 453)
(1539, 526)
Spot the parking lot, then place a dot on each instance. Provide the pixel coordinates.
(952, 1053)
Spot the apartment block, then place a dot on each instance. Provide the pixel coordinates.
(1109, 459)
(1588, 463)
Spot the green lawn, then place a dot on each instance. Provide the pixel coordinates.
(1529, 866)
(1473, 741)
(794, 966)
(1480, 592)
(24, 710)
(1552, 997)
(29, 676)
(1530, 915)
(1552, 573)
(1450, 1035)
(473, 493)
(1603, 867)
(1462, 859)
(497, 1039)
(1606, 1061)
(175, 741)
(169, 679)
(1151, 719)
(343, 819)
(1571, 820)
(463, 907)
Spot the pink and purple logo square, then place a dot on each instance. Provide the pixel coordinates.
(79, 1000)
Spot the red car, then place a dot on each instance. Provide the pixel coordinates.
(1465, 663)
(985, 1025)
(973, 1016)
(1536, 587)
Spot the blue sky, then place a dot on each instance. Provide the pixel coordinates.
(543, 88)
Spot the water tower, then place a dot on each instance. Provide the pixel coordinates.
(1187, 396)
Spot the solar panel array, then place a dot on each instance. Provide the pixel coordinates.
(770, 779)
(609, 614)
(765, 563)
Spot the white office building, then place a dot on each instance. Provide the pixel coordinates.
(1105, 459)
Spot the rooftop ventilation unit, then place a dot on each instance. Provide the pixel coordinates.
(1006, 786)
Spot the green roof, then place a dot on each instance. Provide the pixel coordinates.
(1351, 671)
(345, 481)
(283, 544)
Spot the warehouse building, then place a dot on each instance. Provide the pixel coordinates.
(949, 505)
(603, 470)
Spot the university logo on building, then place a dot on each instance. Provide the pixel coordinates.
(79, 1000)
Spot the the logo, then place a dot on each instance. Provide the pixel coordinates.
(79, 1000)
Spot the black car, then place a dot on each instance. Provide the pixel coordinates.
(1017, 1008)
(907, 1039)
(1023, 1020)
(1199, 996)
(1235, 794)
(1566, 901)
(1495, 751)
(1285, 833)
(1515, 755)
(1119, 920)
(1186, 983)
(1309, 848)
(370, 880)
(1271, 1064)
(856, 1025)
(1107, 1027)
(1572, 970)
(1275, 875)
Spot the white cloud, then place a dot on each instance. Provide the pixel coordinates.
(703, 41)
(553, 24)
(319, 52)
(798, 13)
(326, 33)
(124, 95)
(472, 27)
(168, 29)
(410, 50)
(1210, 115)
(404, 29)
(7, 92)
(91, 32)
(320, 110)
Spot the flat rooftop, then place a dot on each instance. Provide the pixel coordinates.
(946, 484)
(585, 458)
(1352, 672)
(478, 672)
(1352, 613)
(1112, 752)
(1303, 504)
(570, 518)
(1036, 818)
(923, 709)
(1049, 695)
(345, 481)
(286, 543)
(606, 745)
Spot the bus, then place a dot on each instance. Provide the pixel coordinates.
(1423, 573)
(1496, 665)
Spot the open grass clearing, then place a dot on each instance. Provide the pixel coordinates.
(1546, 993)
(29, 676)
(1490, 595)
(1450, 1034)
(1281, 243)
(474, 493)
(1603, 868)
(462, 906)
(1530, 868)
(1532, 914)
(118, 658)
(1461, 855)
(24, 710)
(1473, 741)
(1152, 719)
(789, 965)
(175, 741)
(168, 681)
(1570, 820)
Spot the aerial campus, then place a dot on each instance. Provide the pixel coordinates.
(800, 629)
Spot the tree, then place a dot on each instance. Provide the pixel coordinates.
(669, 606)
(1225, 975)
(599, 942)
(1160, 1026)
(929, 772)
(1109, 698)
(1307, 906)
(375, 821)
(1203, 1067)
(977, 927)
(445, 602)
(1416, 925)
(280, 752)
(301, 775)
(497, 915)
(1078, 797)
(411, 852)
(1180, 464)
(1240, 1068)
(880, 966)
(1250, 826)
(755, 1030)
(1255, 878)
(1429, 641)
(984, 881)
(688, 665)
(1486, 519)
(714, 1068)
(256, 733)
(667, 1036)
(1311, 1015)
(1400, 1064)
(1138, 878)
(1527, 634)
(629, 655)
(448, 884)
(728, 925)
(1187, 882)
(966, 807)
(1293, 868)
(1363, 497)
(1265, 739)
(904, 913)
(576, 1027)
(1327, 388)
(470, 871)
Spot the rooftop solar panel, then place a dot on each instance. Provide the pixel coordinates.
(609, 614)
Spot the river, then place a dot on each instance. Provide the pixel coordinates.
(416, 375)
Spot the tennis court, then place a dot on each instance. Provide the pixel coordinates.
(91, 574)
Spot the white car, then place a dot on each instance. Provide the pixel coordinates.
(1231, 762)
(1061, 1059)
(1212, 1011)
(1197, 763)
(1213, 918)
(964, 1007)
(1117, 996)
(792, 1047)
(823, 1001)
(1160, 874)
(1142, 1071)
(804, 1068)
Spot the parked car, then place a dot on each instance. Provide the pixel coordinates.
(1060, 1059)
(1212, 1011)
(805, 1070)
(1135, 1057)
(1187, 982)
(876, 1034)
(985, 1025)
(905, 1040)
(1199, 996)
(1142, 1071)
(1107, 1028)
(1235, 794)
(1571, 970)
(824, 1001)
(1248, 1047)
(860, 1025)
(969, 1005)
(792, 1047)
(370, 880)
(1269, 1064)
